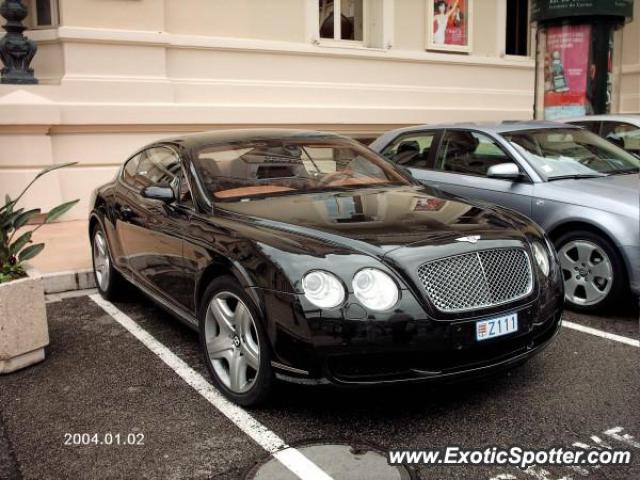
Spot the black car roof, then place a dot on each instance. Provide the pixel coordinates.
(246, 135)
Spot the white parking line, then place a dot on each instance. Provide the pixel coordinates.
(601, 333)
(291, 458)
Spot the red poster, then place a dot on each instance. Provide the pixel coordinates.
(566, 71)
(450, 22)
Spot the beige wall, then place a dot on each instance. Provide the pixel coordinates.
(631, 48)
(484, 29)
(410, 12)
(225, 18)
(630, 81)
(118, 74)
(118, 14)
(247, 19)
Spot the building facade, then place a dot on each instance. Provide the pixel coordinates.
(116, 74)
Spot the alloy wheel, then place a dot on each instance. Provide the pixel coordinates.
(101, 260)
(587, 272)
(232, 342)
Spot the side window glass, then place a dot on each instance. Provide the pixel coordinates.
(184, 193)
(411, 150)
(469, 153)
(159, 166)
(624, 135)
(130, 169)
(155, 166)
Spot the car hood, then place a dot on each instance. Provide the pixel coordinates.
(380, 220)
(615, 193)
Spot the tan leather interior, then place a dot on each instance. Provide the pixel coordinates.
(357, 181)
(266, 189)
(249, 191)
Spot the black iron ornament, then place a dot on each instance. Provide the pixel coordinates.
(16, 50)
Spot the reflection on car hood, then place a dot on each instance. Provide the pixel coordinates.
(614, 193)
(385, 218)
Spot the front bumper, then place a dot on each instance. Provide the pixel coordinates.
(404, 346)
(503, 354)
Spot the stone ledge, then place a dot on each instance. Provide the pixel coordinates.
(59, 282)
(21, 361)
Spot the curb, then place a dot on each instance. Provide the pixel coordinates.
(68, 281)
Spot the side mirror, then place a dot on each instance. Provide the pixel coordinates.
(504, 171)
(155, 192)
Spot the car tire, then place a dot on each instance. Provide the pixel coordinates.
(593, 271)
(108, 280)
(234, 343)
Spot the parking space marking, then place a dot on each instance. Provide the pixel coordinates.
(601, 333)
(626, 438)
(539, 473)
(291, 458)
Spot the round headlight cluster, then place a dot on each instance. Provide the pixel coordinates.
(323, 289)
(542, 257)
(375, 289)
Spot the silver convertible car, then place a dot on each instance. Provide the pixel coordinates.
(582, 189)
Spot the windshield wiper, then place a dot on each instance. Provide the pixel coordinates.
(576, 176)
(625, 171)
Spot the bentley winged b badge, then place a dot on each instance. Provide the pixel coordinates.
(469, 239)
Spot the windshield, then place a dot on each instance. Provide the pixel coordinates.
(289, 166)
(561, 152)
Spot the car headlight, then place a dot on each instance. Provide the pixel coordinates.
(323, 289)
(542, 257)
(375, 289)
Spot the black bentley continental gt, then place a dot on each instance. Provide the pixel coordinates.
(305, 256)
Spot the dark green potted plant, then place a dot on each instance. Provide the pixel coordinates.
(23, 319)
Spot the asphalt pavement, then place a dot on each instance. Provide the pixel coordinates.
(145, 421)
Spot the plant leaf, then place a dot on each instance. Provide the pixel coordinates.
(40, 174)
(24, 218)
(8, 204)
(30, 252)
(6, 221)
(60, 210)
(52, 168)
(20, 243)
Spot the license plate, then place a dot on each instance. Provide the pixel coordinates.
(496, 327)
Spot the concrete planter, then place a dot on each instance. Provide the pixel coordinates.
(23, 323)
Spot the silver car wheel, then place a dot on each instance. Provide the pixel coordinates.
(101, 260)
(232, 342)
(587, 272)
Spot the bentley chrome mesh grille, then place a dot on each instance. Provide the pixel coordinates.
(477, 279)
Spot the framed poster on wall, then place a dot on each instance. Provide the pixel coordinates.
(566, 71)
(449, 25)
